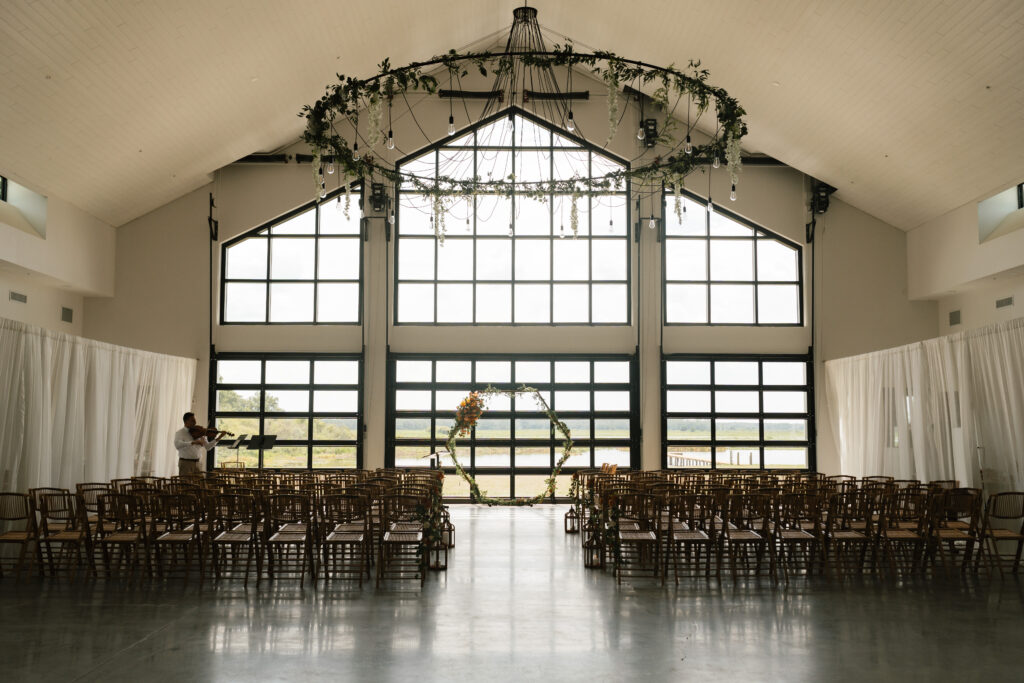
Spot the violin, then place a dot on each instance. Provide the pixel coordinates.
(209, 432)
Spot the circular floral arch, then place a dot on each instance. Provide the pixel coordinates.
(466, 416)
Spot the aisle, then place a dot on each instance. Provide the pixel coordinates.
(515, 604)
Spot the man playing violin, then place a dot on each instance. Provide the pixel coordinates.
(192, 441)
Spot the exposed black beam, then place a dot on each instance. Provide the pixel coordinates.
(575, 95)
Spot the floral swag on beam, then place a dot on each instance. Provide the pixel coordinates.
(344, 101)
(467, 415)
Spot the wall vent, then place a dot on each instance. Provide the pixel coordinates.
(19, 297)
(66, 314)
(954, 318)
(1003, 303)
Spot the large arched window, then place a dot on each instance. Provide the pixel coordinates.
(513, 260)
(722, 270)
(302, 268)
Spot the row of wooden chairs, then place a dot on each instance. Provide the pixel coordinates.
(654, 522)
(231, 525)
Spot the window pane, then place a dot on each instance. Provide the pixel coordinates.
(412, 428)
(415, 213)
(609, 259)
(487, 428)
(732, 260)
(611, 400)
(571, 164)
(732, 303)
(572, 303)
(336, 372)
(491, 456)
(335, 402)
(533, 371)
(686, 303)
(743, 457)
(533, 166)
(733, 372)
(416, 259)
(292, 259)
(688, 402)
(785, 373)
(335, 429)
(689, 456)
(609, 303)
(339, 259)
(527, 403)
(455, 163)
(494, 259)
(238, 371)
(611, 371)
(736, 401)
(334, 456)
(286, 401)
(613, 455)
(609, 214)
(561, 224)
(412, 400)
(493, 215)
(778, 304)
(247, 260)
(533, 303)
(687, 372)
(785, 457)
(533, 457)
(454, 371)
(455, 303)
(686, 260)
(578, 429)
(245, 302)
(611, 429)
(723, 225)
(785, 430)
(494, 303)
(572, 400)
(301, 224)
(423, 166)
(238, 401)
(533, 216)
(776, 261)
(695, 429)
(332, 216)
(533, 259)
(286, 456)
(493, 371)
(337, 302)
(415, 303)
(287, 372)
(413, 371)
(785, 402)
(737, 430)
(291, 302)
(455, 260)
(572, 260)
(693, 217)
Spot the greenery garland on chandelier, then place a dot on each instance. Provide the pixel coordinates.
(344, 101)
(466, 416)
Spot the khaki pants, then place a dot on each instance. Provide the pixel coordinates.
(188, 467)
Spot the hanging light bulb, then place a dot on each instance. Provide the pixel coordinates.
(337, 204)
(323, 192)
(570, 124)
(689, 148)
(391, 140)
(451, 125)
(653, 223)
(355, 151)
(640, 133)
(611, 226)
(330, 168)
(716, 163)
(732, 194)
(561, 231)
(511, 230)
(391, 217)
(711, 206)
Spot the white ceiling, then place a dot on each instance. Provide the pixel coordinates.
(910, 108)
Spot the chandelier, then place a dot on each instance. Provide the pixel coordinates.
(528, 76)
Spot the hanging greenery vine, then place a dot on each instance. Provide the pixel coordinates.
(344, 100)
(467, 415)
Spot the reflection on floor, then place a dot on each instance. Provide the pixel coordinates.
(515, 604)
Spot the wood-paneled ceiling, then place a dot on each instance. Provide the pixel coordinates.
(910, 108)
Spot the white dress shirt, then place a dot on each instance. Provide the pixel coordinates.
(188, 450)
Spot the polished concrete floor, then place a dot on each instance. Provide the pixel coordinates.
(515, 604)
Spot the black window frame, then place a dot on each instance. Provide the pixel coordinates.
(262, 415)
(627, 237)
(335, 195)
(667, 205)
(468, 444)
(3, 189)
(714, 443)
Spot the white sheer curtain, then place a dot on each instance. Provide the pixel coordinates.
(76, 410)
(946, 408)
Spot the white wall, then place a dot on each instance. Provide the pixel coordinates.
(977, 305)
(45, 299)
